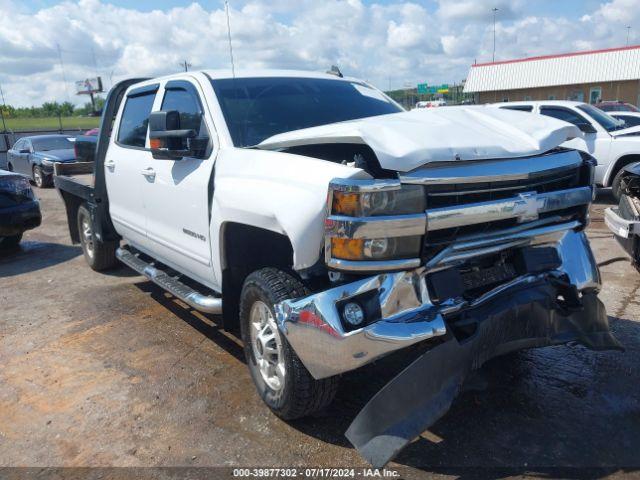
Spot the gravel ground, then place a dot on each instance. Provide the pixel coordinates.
(108, 370)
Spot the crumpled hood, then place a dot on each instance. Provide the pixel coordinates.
(407, 140)
(63, 155)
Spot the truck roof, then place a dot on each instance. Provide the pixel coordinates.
(252, 73)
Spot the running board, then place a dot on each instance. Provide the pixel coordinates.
(175, 287)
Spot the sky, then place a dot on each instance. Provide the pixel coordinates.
(46, 45)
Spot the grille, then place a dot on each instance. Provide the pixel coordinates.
(440, 195)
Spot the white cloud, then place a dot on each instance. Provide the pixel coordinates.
(388, 43)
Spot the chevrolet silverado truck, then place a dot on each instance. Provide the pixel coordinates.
(332, 228)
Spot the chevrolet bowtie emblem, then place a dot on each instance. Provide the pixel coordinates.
(527, 207)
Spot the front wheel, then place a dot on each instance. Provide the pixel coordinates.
(616, 185)
(39, 178)
(281, 379)
(99, 255)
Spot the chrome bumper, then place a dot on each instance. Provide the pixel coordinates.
(313, 327)
(618, 225)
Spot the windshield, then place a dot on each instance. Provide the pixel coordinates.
(604, 119)
(258, 108)
(51, 143)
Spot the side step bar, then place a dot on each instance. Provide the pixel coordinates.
(175, 287)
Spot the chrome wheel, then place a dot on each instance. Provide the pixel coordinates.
(37, 177)
(267, 345)
(87, 235)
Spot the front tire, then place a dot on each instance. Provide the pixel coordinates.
(39, 178)
(99, 255)
(616, 185)
(281, 379)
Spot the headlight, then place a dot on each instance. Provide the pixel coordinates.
(376, 248)
(373, 222)
(15, 185)
(406, 200)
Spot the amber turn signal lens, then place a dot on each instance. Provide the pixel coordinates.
(347, 248)
(155, 143)
(346, 204)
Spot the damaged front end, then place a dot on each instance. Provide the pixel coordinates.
(480, 258)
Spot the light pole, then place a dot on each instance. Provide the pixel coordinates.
(628, 30)
(493, 57)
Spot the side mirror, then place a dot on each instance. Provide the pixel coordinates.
(586, 128)
(168, 141)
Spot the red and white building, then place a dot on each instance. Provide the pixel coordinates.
(591, 76)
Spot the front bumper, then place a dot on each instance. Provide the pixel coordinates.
(407, 314)
(620, 226)
(524, 317)
(19, 218)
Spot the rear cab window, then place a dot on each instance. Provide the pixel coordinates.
(134, 122)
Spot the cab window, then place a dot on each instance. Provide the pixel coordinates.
(135, 120)
(187, 105)
(563, 114)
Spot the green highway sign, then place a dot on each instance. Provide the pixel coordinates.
(422, 88)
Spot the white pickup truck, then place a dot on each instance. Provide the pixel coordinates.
(332, 228)
(612, 143)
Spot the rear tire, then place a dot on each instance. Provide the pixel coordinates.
(291, 392)
(10, 243)
(99, 255)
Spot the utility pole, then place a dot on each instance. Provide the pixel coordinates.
(628, 30)
(233, 66)
(494, 10)
(4, 125)
(186, 65)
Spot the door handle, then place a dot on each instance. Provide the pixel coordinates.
(149, 172)
(110, 164)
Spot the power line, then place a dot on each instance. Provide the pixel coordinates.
(64, 76)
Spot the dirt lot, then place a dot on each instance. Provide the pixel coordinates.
(106, 370)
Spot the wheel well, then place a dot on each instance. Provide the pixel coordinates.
(621, 163)
(246, 249)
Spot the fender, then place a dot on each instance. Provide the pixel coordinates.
(280, 192)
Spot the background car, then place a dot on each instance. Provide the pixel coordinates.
(19, 209)
(616, 106)
(630, 119)
(35, 156)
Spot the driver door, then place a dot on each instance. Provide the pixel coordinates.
(178, 192)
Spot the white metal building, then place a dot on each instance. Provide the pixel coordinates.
(611, 74)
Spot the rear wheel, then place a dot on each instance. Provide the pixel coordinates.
(281, 379)
(99, 255)
(11, 242)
